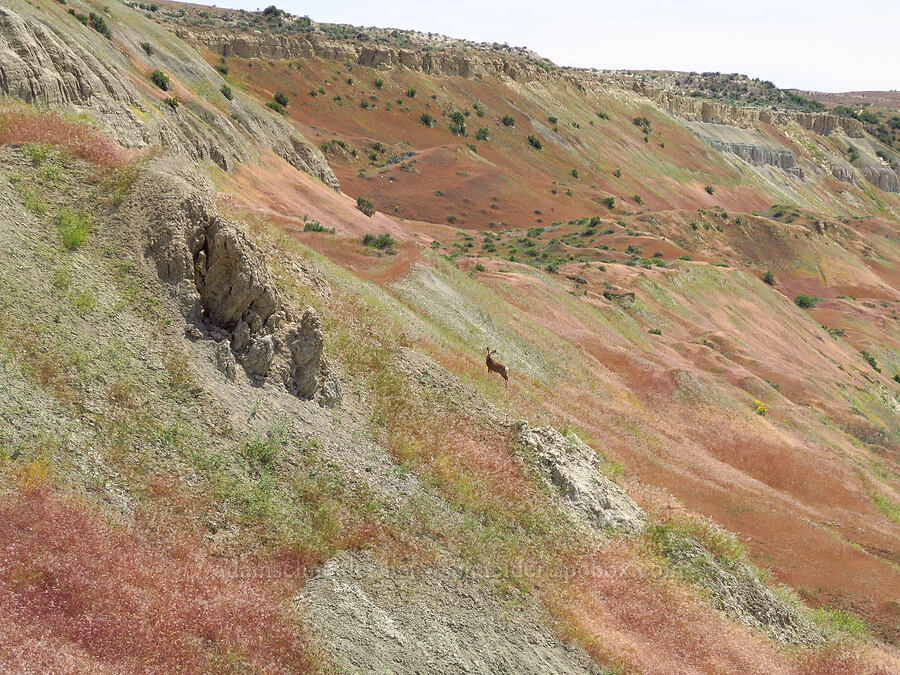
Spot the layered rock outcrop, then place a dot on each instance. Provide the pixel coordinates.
(42, 65)
(223, 288)
(573, 469)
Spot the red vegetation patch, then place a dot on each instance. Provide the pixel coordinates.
(79, 139)
(77, 594)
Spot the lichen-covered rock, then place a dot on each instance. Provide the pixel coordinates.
(574, 470)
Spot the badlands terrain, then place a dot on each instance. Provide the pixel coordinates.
(250, 265)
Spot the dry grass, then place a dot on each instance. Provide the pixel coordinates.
(79, 138)
(76, 591)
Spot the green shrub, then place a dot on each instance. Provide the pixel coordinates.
(276, 106)
(871, 361)
(365, 206)
(316, 226)
(684, 257)
(768, 278)
(638, 199)
(364, 104)
(458, 123)
(806, 301)
(617, 173)
(98, 23)
(535, 142)
(222, 68)
(609, 201)
(508, 121)
(709, 189)
(655, 331)
(74, 227)
(411, 93)
(479, 267)
(602, 115)
(897, 378)
(226, 92)
(426, 119)
(552, 119)
(380, 241)
(643, 124)
(472, 147)
(160, 79)
(379, 83)
(574, 173)
(172, 102)
(481, 134)
(281, 99)
(148, 48)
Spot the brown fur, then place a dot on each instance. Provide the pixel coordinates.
(495, 366)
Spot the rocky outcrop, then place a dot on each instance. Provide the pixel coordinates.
(714, 112)
(223, 287)
(42, 65)
(735, 590)
(757, 155)
(573, 469)
(256, 44)
(843, 172)
(882, 177)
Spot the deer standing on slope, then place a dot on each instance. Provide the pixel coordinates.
(495, 366)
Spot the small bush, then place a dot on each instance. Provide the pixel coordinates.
(479, 267)
(74, 227)
(160, 79)
(426, 119)
(638, 199)
(276, 106)
(316, 226)
(379, 83)
(381, 241)
(552, 119)
(760, 408)
(364, 104)
(609, 201)
(655, 331)
(226, 92)
(411, 93)
(280, 98)
(98, 23)
(365, 206)
(684, 257)
(172, 102)
(806, 301)
(148, 48)
(222, 68)
(535, 142)
(472, 147)
(709, 189)
(508, 121)
(458, 124)
(643, 124)
(574, 173)
(481, 134)
(602, 115)
(897, 378)
(871, 361)
(768, 278)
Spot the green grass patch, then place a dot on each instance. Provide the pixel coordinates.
(74, 227)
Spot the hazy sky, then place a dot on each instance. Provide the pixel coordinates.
(825, 45)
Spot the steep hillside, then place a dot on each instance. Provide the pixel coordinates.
(247, 424)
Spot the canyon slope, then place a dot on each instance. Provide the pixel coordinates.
(251, 265)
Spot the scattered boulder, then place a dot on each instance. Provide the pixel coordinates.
(573, 469)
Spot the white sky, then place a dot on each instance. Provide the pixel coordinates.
(824, 45)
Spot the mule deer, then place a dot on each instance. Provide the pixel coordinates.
(495, 366)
